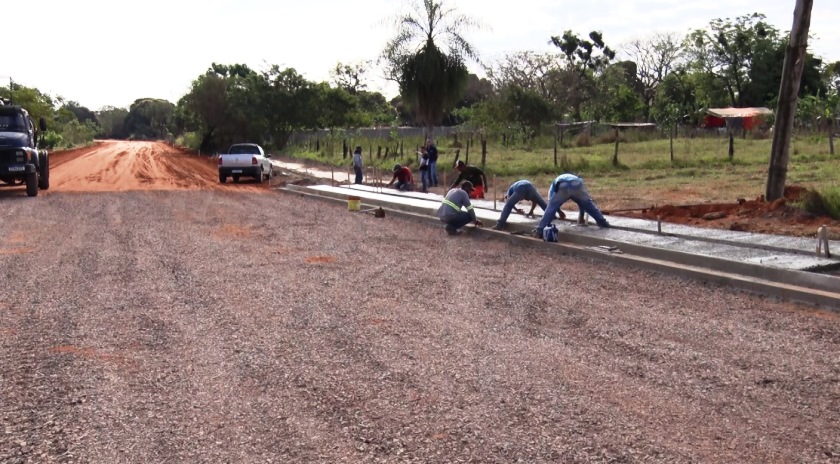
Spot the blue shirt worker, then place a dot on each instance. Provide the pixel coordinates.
(456, 211)
(569, 187)
(522, 190)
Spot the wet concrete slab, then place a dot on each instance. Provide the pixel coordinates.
(791, 253)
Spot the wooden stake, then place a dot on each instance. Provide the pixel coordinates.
(659, 224)
(494, 192)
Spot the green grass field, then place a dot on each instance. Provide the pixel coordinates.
(701, 171)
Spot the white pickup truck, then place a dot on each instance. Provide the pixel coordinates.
(244, 159)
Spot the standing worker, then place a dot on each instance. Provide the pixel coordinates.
(472, 174)
(450, 212)
(357, 164)
(403, 178)
(522, 190)
(425, 173)
(432, 150)
(569, 186)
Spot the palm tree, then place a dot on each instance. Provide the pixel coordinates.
(427, 58)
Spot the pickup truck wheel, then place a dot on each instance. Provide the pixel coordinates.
(222, 178)
(260, 176)
(44, 178)
(32, 184)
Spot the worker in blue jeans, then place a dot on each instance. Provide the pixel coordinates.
(522, 190)
(569, 187)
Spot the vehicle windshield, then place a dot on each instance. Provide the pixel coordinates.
(244, 150)
(12, 123)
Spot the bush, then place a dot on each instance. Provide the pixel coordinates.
(189, 140)
(822, 203)
(51, 140)
(583, 140)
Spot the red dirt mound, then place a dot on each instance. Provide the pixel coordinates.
(758, 215)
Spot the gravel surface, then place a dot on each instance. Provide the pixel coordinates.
(181, 327)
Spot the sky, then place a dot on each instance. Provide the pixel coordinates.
(112, 52)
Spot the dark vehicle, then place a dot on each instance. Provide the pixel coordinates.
(21, 162)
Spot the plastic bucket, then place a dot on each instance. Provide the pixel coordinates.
(354, 203)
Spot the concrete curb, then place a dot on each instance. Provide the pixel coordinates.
(804, 287)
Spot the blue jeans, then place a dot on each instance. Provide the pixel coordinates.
(526, 193)
(433, 178)
(403, 186)
(358, 174)
(459, 220)
(579, 196)
(426, 178)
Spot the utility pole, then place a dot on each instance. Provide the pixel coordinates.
(788, 92)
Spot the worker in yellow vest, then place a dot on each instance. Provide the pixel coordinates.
(456, 211)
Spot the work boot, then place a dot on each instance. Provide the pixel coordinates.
(499, 226)
(452, 231)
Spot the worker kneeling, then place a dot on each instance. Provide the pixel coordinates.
(451, 212)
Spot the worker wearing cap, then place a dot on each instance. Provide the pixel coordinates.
(456, 211)
(522, 190)
(569, 187)
(472, 174)
(403, 178)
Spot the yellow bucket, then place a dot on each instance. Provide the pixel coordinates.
(354, 203)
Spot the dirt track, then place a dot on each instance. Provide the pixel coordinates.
(115, 166)
(213, 326)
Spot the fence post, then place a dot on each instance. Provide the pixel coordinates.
(467, 156)
(483, 152)
(494, 192)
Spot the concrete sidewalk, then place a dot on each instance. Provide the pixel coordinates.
(791, 253)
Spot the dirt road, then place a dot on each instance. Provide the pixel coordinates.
(116, 166)
(218, 326)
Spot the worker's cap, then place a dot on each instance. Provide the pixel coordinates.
(467, 186)
(358, 149)
(397, 167)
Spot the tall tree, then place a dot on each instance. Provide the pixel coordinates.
(427, 58)
(788, 93)
(655, 58)
(350, 77)
(728, 48)
(584, 59)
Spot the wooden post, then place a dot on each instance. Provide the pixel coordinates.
(467, 156)
(615, 155)
(731, 145)
(555, 149)
(788, 92)
(831, 134)
(332, 175)
(483, 152)
(494, 192)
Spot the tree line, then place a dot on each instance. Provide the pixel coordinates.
(667, 79)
